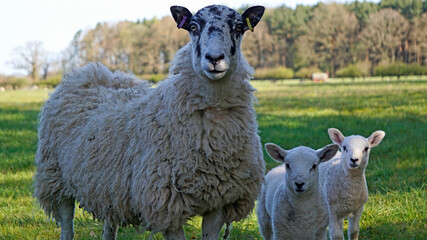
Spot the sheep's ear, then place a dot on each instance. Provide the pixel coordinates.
(336, 136)
(276, 153)
(254, 15)
(376, 138)
(182, 17)
(327, 152)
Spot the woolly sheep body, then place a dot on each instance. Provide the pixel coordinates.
(153, 157)
(344, 183)
(291, 205)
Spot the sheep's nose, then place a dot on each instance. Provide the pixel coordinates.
(214, 58)
(354, 160)
(299, 185)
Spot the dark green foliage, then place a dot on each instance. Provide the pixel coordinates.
(273, 73)
(352, 71)
(51, 81)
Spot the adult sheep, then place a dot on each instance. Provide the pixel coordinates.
(344, 183)
(291, 205)
(154, 157)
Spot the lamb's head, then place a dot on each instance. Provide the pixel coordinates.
(216, 33)
(301, 164)
(355, 149)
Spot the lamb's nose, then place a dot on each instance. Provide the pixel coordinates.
(214, 58)
(354, 160)
(299, 185)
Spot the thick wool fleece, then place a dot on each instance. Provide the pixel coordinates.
(150, 156)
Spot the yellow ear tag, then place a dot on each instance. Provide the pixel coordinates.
(249, 25)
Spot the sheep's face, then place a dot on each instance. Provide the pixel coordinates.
(301, 164)
(216, 33)
(355, 152)
(355, 149)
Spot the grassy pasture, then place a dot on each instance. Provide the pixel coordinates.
(289, 114)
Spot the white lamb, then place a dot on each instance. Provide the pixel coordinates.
(291, 205)
(151, 157)
(343, 181)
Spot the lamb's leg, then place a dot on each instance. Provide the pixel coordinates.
(264, 221)
(174, 235)
(110, 231)
(335, 227)
(65, 213)
(353, 225)
(212, 224)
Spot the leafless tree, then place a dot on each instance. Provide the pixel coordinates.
(30, 58)
(384, 35)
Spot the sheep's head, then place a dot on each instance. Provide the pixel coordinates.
(216, 33)
(355, 149)
(301, 164)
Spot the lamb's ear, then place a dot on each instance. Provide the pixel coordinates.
(336, 136)
(252, 15)
(327, 152)
(376, 138)
(182, 17)
(276, 153)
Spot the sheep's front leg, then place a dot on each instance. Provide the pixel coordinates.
(110, 231)
(353, 225)
(66, 217)
(175, 235)
(335, 227)
(212, 224)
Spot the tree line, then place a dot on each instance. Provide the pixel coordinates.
(326, 37)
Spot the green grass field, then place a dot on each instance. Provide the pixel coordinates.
(289, 114)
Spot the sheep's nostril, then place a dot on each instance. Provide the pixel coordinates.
(354, 160)
(299, 185)
(214, 58)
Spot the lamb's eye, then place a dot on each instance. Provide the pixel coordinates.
(313, 168)
(239, 27)
(366, 149)
(194, 27)
(345, 148)
(287, 166)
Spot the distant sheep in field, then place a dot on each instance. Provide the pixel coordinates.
(291, 205)
(344, 183)
(131, 154)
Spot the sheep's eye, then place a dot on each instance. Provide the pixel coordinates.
(313, 168)
(287, 166)
(345, 148)
(193, 27)
(366, 149)
(239, 27)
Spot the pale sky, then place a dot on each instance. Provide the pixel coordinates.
(54, 22)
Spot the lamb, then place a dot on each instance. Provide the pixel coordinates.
(153, 157)
(344, 183)
(291, 205)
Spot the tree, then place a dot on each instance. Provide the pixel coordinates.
(362, 10)
(383, 36)
(328, 38)
(418, 40)
(30, 58)
(408, 8)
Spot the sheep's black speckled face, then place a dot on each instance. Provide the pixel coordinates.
(216, 33)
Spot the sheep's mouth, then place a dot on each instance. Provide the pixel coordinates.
(216, 71)
(215, 74)
(354, 165)
(299, 190)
